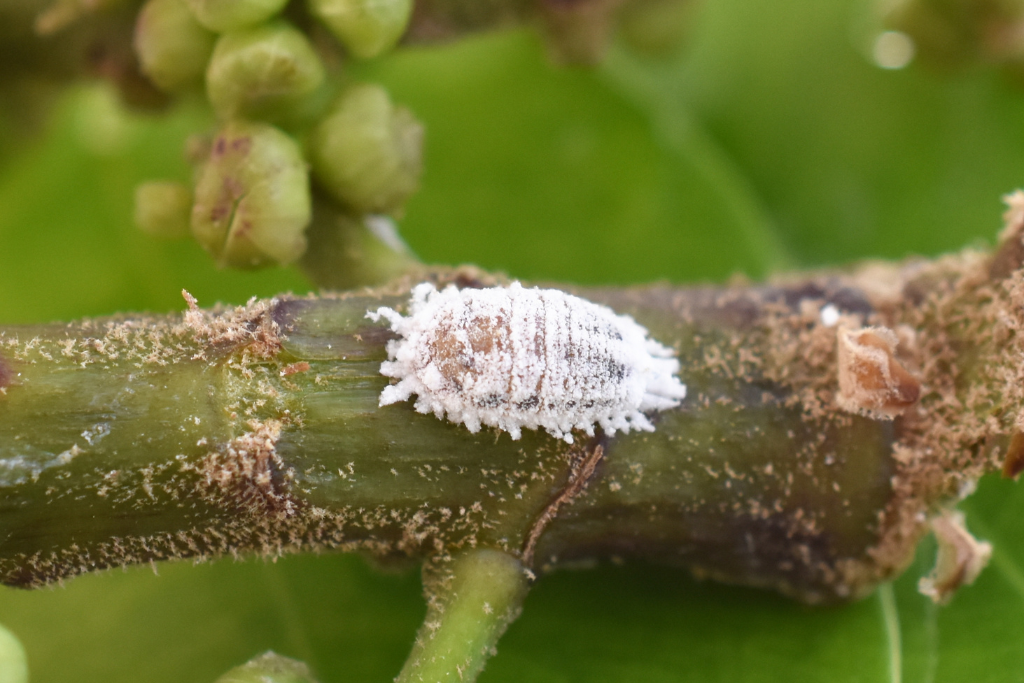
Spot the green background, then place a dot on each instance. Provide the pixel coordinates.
(770, 142)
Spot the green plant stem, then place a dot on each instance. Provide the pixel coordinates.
(478, 596)
(128, 441)
(347, 251)
(258, 430)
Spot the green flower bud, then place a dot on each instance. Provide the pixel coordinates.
(367, 153)
(263, 72)
(269, 668)
(163, 208)
(13, 664)
(230, 15)
(172, 47)
(366, 27)
(252, 200)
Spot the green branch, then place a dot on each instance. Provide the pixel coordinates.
(258, 430)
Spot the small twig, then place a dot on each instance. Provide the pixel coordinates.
(578, 478)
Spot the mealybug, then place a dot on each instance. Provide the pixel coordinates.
(514, 358)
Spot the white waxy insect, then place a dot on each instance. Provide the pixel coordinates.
(514, 358)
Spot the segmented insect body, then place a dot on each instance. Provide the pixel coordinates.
(515, 358)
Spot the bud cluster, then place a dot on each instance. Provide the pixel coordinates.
(288, 128)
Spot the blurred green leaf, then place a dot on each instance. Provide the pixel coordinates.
(771, 141)
(13, 664)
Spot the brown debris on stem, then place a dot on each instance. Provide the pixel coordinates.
(294, 369)
(965, 314)
(871, 381)
(251, 327)
(961, 557)
(6, 375)
(1010, 255)
(249, 471)
(1013, 463)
